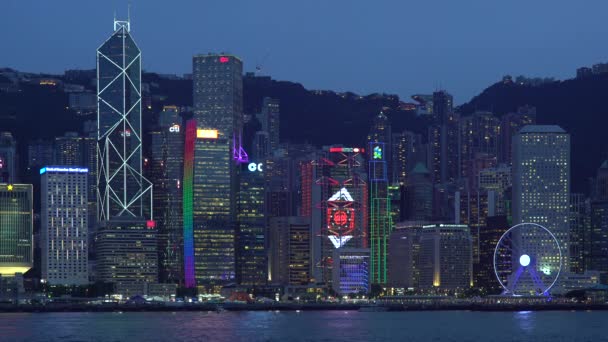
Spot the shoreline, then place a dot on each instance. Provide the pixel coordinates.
(58, 307)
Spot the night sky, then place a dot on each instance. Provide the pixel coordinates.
(401, 47)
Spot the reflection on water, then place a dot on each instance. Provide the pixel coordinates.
(307, 326)
(525, 319)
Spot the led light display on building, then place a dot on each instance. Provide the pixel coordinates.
(63, 169)
(206, 133)
(340, 217)
(191, 135)
(380, 213)
(377, 153)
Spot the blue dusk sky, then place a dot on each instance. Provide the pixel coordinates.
(400, 47)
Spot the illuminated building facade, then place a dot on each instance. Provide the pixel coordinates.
(290, 260)
(40, 153)
(472, 208)
(218, 111)
(541, 184)
(188, 205)
(403, 255)
(380, 212)
(16, 229)
(351, 271)
(166, 175)
(443, 140)
(8, 158)
(405, 146)
(484, 276)
(580, 224)
(340, 206)
(126, 239)
(75, 150)
(251, 256)
(510, 125)
(596, 242)
(122, 189)
(445, 257)
(479, 139)
(497, 179)
(418, 204)
(270, 119)
(64, 231)
(127, 254)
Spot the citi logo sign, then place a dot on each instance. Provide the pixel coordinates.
(174, 129)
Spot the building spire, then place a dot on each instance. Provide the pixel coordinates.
(123, 23)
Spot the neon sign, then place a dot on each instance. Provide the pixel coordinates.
(150, 224)
(206, 133)
(174, 129)
(253, 167)
(224, 59)
(63, 169)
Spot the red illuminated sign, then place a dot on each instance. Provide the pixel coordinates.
(150, 224)
(224, 59)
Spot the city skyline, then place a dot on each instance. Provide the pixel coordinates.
(547, 46)
(248, 212)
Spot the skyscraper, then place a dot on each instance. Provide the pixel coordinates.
(580, 225)
(122, 188)
(419, 194)
(484, 276)
(270, 119)
(340, 198)
(541, 182)
(510, 125)
(218, 106)
(251, 257)
(381, 223)
(74, 150)
(16, 228)
(403, 255)
(443, 139)
(68, 150)
(405, 145)
(479, 135)
(8, 158)
(290, 250)
(126, 239)
(166, 175)
(39, 153)
(64, 231)
(127, 255)
(445, 257)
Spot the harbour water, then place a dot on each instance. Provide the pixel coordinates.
(457, 326)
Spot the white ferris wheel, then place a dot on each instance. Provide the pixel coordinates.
(527, 260)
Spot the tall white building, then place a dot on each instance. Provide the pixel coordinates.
(541, 182)
(64, 225)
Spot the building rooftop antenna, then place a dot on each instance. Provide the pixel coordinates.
(123, 23)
